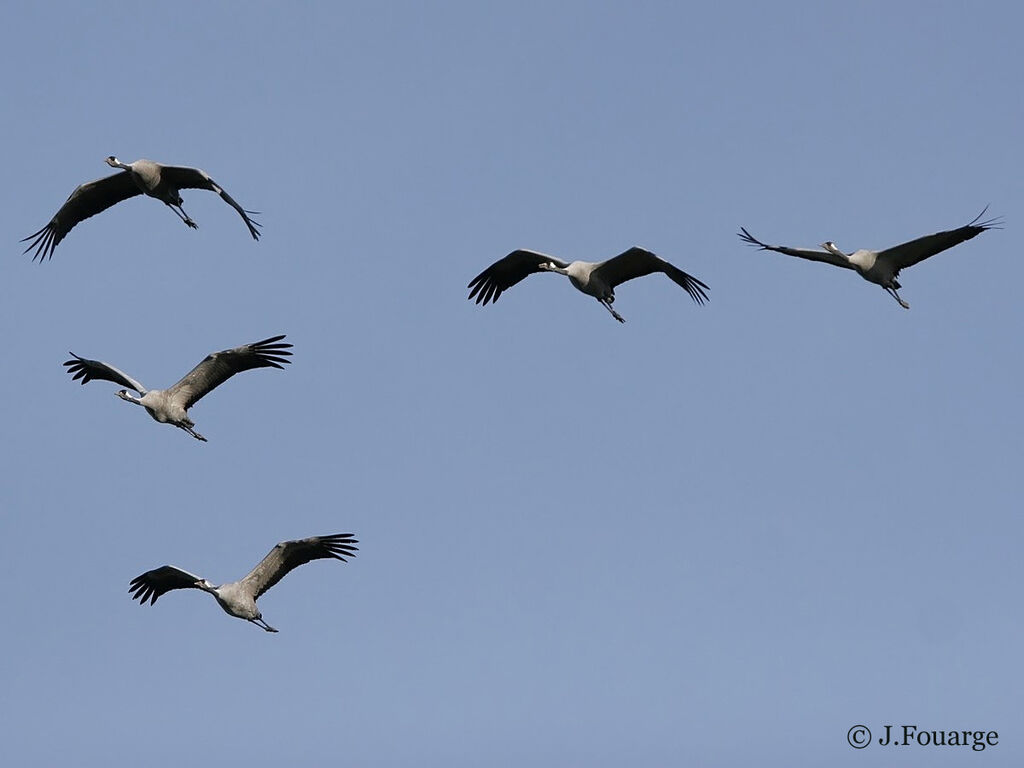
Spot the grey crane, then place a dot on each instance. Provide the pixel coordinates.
(170, 406)
(883, 267)
(143, 177)
(597, 279)
(239, 597)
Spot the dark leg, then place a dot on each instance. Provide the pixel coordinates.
(608, 305)
(263, 625)
(892, 292)
(192, 432)
(182, 215)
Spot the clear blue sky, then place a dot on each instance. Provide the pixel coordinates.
(710, 536)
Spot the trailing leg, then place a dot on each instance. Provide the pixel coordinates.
(192, 432)
(608, 305)
(182, 215)
(892, 292)
(263, 625)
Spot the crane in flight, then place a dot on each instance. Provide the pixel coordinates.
(883, 267)
(238, 598)
(170, 406)
(143, 177)
(597, 279)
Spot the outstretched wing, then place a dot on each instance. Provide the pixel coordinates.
(506, 272)
(182, 177)
(637, 262)
(150, 585)
(87, 370)
(825, 256)
(291, 554)
(221, 366)
(910, 253)
(87, 200)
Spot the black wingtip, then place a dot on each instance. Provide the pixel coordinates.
(44, 242)
(996, 222)
(272, 345)
(749, 239)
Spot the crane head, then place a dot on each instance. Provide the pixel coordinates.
(124, 394)
(829, 246)
(113, 162)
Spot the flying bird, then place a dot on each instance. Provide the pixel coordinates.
(883, 267)
(239, 597)
(597, 279)
(143, 177)
(170, 406)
